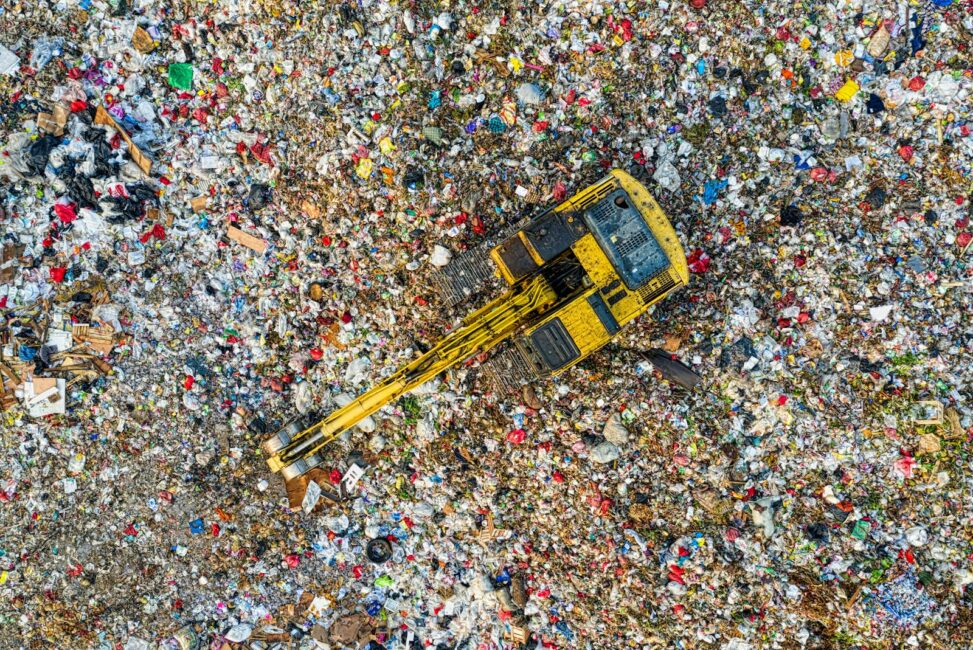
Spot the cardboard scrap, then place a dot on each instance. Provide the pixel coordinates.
(329, 338)
(517, 635)
(956, 427)
(103, 117)
(933, 412)
(13, 373)
(349, 629)
(489, 532)
(245, 239)
(199, 203)
(310, 209)
(141, 41)
(928, 444)
(44, 396)
(44, 384)
(53, 122)
(319, 634)
(9, 260)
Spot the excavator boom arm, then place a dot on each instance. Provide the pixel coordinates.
(481, 331)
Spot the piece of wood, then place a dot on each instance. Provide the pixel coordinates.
(104, 117)
(100, 339)
(43, 384)
(245, 239)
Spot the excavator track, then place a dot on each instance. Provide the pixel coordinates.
(466, 276)
(508, 370)
(471, 274)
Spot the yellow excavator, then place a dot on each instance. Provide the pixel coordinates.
(575, 275)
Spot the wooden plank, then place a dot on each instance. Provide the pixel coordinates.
(103, 117)
(246, 239)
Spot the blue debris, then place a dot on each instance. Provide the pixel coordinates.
(711, 190)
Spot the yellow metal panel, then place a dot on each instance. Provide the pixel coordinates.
(602, 273)
(627, 308)
(594, 260)
(505, 273)
(538, 260)
(601, 188)
(582, 323)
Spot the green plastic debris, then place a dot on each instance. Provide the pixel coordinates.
(861, 529)
(181, 76)
(384, 580)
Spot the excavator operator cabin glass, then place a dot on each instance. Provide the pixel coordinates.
(626, 238)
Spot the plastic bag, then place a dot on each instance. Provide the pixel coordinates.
(260, 195)
(82, 191)
(39, 153)
(45, 49)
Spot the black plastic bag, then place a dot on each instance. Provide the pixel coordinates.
(103, 163)
(791, 215)
(132, 207)
(142, 192)
(39, 153)
(82, 191)
(129, 209)
(260, 195)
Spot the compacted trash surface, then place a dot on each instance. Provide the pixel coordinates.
(217, 215)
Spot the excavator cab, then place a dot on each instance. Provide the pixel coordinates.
(609, 253)
(574, 275)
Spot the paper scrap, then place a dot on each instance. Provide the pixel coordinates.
(9, 62)
(880, 314)
(311, 497)
(351, 477)
(54, 121)
(59, 339)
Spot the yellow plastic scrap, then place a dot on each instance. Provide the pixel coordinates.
(385, 146)
(847, 92)
(364, 168)
(844, 58)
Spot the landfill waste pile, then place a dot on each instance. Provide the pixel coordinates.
(218, 215)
